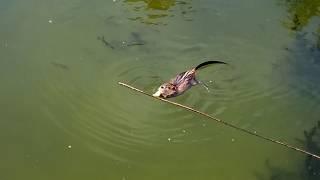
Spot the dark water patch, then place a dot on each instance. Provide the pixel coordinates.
(276, 173)
(5, 5)
(304, 60)
(312, 144)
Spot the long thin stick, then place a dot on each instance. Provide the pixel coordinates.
(225, 123)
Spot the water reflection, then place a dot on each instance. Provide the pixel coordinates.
(311, 167)
(301, 12)
(304, 52)
(154, 12)
(312, 143)
(156, 4)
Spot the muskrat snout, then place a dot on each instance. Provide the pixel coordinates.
(166, 90)
(157, 94)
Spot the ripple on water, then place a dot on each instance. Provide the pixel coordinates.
(242, 87)
(119, 123)
(169, 120)
(113, 123)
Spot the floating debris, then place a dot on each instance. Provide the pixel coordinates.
(59, 65)
(105, 42)
(136, 41)
(50, 21)
(125, 44)
(137, 37)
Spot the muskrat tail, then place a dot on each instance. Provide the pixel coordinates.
(208, 63)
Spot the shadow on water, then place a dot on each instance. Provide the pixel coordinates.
(310, 169)
(154, 12)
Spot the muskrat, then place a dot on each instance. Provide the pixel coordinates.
(182, 82)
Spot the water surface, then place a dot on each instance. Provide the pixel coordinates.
(63, 115)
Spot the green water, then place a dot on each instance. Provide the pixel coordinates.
(63, 115)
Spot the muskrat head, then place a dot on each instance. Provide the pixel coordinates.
(166, 90)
